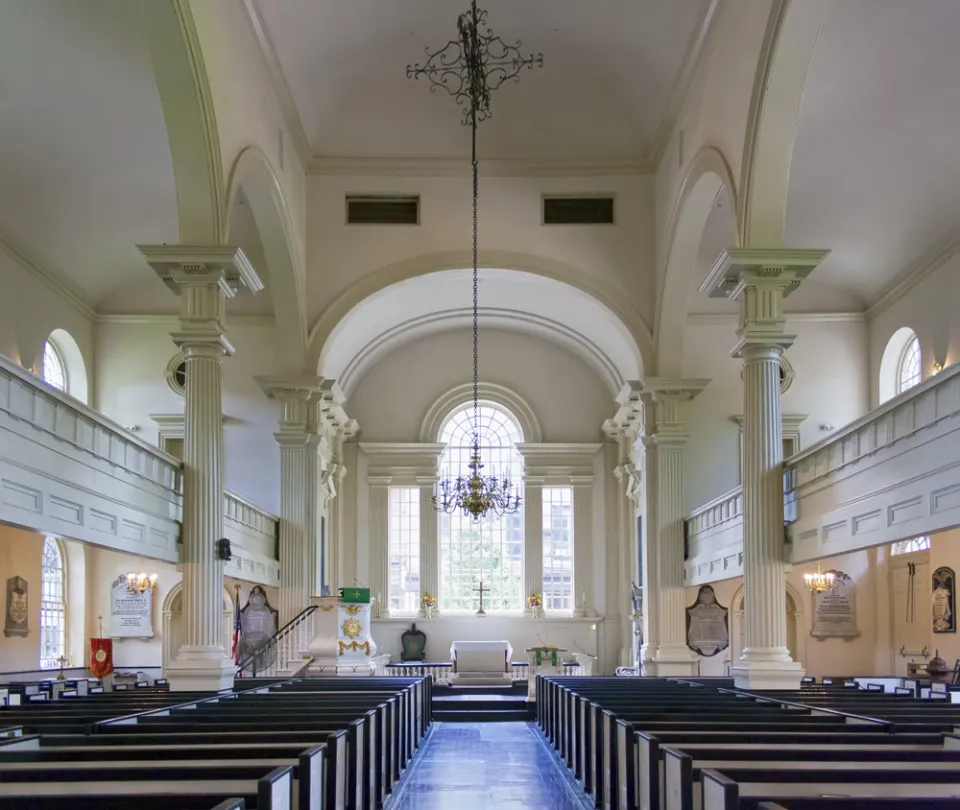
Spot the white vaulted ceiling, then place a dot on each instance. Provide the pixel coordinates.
(609, 69)
(85, 166)
(875, 175)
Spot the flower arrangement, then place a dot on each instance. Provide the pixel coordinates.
(534, 600)
(428, 600)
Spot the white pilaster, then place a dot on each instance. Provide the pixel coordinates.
(203, 277)
(583, 545)
(760, 279)
(379, 557)
(298, 490)
(533, 538)
(663, 438)
(429, 542)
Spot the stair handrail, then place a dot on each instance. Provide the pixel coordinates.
(250, 661)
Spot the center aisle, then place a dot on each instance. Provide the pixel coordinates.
(480, 766)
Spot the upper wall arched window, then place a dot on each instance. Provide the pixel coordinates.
(53, 606)
(63, 367)
(907, 546)
(490, 551)
(900, 366)
(54, 369)
(908, 369)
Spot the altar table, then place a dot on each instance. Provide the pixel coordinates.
(481, 656)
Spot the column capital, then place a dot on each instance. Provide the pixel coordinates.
(222, 266)
(662, 398)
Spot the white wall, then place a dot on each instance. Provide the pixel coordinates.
(569, 400)
(929, 309)
(132, 354)
(831, 387)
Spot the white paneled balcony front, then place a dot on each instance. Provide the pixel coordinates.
(714, 535)
(252, 533)
(67, 470)
(892, 475)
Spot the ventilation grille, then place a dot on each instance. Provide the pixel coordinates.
(371, 210)
(580, 210)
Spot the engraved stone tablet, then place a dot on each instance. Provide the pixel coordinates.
(131, 613)
(708, 626)
(944, 600)
(258, 621)
(835, 610)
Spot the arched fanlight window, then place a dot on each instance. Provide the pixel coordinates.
(54, 370)
(52, 606)
(908, 368)
(490, 551)
(908, 546)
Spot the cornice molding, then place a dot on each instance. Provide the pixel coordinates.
(915, 272)
(401, 448)
(460, 167)
(51, 280)
(536, 450)
(723, 318)
(278, 80)
(231, 320)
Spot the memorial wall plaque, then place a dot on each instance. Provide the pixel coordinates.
(708, 625)
(944, 599)
(258, 623)
(131, 613)
(18, 611)
(835, 610)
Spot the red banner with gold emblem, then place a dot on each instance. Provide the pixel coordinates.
(101, 656)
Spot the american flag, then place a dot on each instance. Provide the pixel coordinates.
(237, 632)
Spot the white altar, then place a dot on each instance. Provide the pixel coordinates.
(542, 661)
(484, 659)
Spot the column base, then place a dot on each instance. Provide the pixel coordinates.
(200, 669)
(670, 660)
(757, 675)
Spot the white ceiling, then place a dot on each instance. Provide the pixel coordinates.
(509, 299)
(876, 169)
(85, 167)
(609, 68)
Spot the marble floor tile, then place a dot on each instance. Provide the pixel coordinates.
(481, 766)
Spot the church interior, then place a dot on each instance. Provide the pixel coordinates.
(397, 368)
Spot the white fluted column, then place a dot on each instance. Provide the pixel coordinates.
(663, 439)
(429, 543)
(204, 277)
(533, 539)
(379, 557)
(582, 545)
(760, 279)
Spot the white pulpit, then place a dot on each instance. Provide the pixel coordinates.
(481, 659)
(342, 642)
(542, 661)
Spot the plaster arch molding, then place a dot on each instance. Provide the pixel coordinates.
(708, 174)
(627, 320)
(796, 639)
(172, 627)
(454, 399)
(251, 170)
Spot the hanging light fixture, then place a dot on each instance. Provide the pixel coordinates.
(140, 583)
(470, 68)
(820, 581)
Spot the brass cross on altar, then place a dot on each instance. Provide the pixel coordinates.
(481, 590)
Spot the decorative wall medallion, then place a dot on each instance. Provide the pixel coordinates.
(352, 628)
(352, 610)
(944, 600)
(176, 373)
(787, 374)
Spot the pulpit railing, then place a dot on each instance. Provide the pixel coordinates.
(286, 652)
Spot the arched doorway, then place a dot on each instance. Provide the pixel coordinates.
(173, 623)
(796, 643)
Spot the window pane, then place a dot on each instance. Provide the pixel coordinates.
(52, 606)
(491, 551)
(403, 549)
(53, 371)
(908, 372)
(558, 593)
(907, 546)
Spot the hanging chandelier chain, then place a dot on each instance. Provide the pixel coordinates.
(470, 68)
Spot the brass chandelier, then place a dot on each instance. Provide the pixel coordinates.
(820, 581)
(142, 582)
(470, 68)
